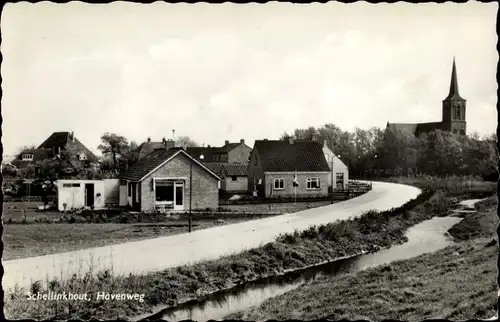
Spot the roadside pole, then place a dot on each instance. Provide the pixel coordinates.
(190, 192)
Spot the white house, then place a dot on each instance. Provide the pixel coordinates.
(340, 172)
(96, 194)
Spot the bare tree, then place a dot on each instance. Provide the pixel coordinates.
(185, 142)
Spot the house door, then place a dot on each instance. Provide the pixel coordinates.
(340, 181)
(89, 194)
(179, 195)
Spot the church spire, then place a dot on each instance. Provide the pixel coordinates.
(454, 84)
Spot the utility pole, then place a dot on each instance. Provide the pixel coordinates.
(333, 166)
(190, 192)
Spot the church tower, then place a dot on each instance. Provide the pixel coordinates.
(454, 107)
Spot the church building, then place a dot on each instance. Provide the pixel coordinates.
(453, 114)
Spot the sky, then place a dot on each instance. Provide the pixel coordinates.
(231, 72)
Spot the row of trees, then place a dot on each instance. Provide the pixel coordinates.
(397, 152)
(119, 153)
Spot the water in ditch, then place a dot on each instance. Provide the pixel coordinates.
(425, 237)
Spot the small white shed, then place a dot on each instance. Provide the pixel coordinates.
(75, 194)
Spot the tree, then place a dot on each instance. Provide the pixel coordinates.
(114, 145)
(185, 142)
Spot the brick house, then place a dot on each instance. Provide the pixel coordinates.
(161, 180)
(234, 176)
(56, 143)
(228, 153)
(274, 165)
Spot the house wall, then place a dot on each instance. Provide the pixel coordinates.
(112, 191)
(241, 184)
(255, 171)
(338, 167)
(239, 154)
(205, 191)
(302, 190)
(74, 197)
(123, 196)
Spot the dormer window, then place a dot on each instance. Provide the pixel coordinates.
(27, 157)
(82, 157)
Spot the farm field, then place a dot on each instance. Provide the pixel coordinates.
(36, 239)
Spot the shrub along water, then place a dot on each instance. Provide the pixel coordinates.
(317, 244)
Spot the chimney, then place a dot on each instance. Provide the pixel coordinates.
(242, 141)
(324, 144)
(169, 144)
(265, 139)
(149, 139)
(73, 136)
(227, 142)
(290, 140)
(163, 140)
(314, 137)
(208, 146)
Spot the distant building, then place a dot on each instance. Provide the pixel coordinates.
(53, 146)
(275, 165)
(237, 152)
(149, 146)
(234, 176)
(453, 115)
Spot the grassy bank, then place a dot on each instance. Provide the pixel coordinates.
(484, 223)
(290, 251)
(457, 283)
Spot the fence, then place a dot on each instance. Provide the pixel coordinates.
(354, 189)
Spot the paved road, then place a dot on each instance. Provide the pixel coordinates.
(163, 252)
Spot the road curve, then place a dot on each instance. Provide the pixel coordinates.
(164, 252)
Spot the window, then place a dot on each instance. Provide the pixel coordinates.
(234, 178)
(340, 180)
(457, 112)
(279, 184)
(130, 189)
(27, 157)
(312, 183)
(82, 157)
(249, 158)
(71, 185)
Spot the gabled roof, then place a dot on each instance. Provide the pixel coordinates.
(142, 168)
(56, 139)
(146, 148)
(63, 139)
(236, 169)
(403, 127)
(415, 128)
(217, 168)
(208, 153)
(283, 156)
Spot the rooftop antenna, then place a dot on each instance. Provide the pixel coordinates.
(173, 135)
